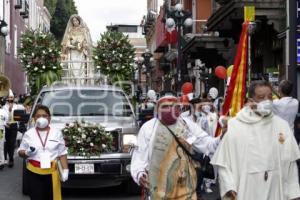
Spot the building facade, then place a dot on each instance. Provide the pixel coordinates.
(19, 15)
(268, 40)
(212, 41)
(15, 14)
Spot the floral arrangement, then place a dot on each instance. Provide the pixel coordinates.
(114, 56)
(39, 55)
(86, 139)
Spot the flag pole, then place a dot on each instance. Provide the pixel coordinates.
(249, 16)
(251, 31)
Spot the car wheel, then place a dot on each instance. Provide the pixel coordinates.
(132, 188)
(25, 186)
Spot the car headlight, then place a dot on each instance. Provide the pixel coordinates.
(129, 141)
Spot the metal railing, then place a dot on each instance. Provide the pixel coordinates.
(86, 75)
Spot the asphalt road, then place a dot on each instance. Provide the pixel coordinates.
(11, 183)
(11, 188)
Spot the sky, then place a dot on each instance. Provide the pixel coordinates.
(97, 14)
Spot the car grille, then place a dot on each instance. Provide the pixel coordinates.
(116, 141)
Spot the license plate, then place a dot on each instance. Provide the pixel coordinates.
(84, 168)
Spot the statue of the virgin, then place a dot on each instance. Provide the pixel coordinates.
(76, 50)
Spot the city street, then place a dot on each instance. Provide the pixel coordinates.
(11, 189)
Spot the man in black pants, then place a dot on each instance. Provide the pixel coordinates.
(11, 129)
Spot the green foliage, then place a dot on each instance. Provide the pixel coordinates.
(114, 56)
(86, 139)
(40, 58)
(63, 11)
(50, 5)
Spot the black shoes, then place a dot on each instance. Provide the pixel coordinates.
(10, 164)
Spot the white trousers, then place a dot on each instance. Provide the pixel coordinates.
(2, 147)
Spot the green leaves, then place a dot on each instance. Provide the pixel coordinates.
(63, 11)
(114, 55)
(40, 57)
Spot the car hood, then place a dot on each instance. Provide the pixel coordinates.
(126, 124)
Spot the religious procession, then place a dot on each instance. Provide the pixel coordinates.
(149, 99)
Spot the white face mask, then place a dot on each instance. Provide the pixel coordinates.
(198, 114)
(206, 108)
(264, 108)
(42, 122)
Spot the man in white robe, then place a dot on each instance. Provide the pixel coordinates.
(157, 165)
(257, 157)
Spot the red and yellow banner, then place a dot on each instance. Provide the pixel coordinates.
(236, 90)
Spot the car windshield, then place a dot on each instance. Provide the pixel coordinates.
(86, 103)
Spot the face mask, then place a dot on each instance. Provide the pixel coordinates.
(264, 108)
(198, 114)
(42, 122)
(206, 108)
(169, 117)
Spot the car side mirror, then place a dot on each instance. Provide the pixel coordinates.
(21, 116)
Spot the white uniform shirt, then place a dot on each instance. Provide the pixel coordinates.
(3, 118)
(287, 109)
(55, 143)
(141, 157)
(15, 107)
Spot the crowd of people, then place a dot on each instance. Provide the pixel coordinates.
(254, 157)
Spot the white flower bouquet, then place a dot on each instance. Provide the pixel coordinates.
(87, 139)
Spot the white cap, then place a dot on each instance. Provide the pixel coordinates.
(151, 94)
(10, 93)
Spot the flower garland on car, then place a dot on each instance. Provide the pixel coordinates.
(86, 139)
(39, 55)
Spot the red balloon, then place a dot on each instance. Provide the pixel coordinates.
(187, 87)
(220, 72)
(184, 100)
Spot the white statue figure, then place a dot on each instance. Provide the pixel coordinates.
(76, 49)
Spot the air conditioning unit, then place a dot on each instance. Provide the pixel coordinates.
(18, 4)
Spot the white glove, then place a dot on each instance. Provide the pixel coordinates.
(65, 175)
(31, 151)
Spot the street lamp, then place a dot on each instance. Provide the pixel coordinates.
(147, 55)
(179, 18)
(3, 28)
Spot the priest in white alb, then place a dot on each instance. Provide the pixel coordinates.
(256, 158)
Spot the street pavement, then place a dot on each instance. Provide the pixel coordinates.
(11, 188)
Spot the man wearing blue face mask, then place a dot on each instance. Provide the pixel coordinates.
(257, 156)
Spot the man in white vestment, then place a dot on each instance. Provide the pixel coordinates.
(257, 157)
(159, 163)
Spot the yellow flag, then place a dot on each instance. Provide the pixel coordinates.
(249, 13)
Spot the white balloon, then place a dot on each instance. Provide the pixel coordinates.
(213, 92)
(188, 22)
(170, 22)
(151, 94)
(179, 7)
